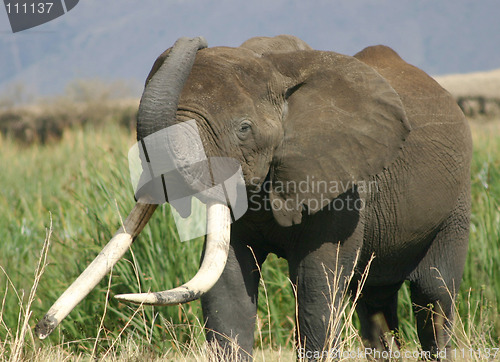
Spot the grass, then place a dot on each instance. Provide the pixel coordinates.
(482, 272)
(71, 194)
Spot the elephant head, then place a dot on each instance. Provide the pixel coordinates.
(288, 114)
(276, 109)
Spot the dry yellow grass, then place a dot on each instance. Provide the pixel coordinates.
(477, 94)
(479, 84)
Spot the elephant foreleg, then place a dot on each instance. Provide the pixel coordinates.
(377, 311)
(230, 307)
(320, 278)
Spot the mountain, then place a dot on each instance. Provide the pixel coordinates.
(119, 39)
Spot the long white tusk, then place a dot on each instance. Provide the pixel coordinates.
(98, 269)
(212, 266)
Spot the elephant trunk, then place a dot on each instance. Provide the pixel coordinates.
(97, 270)
(157, 111)
(212, 265)
(160, 98)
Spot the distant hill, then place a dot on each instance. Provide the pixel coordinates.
(484, 84)
(120, 39)
(478, 94)
(98, 104)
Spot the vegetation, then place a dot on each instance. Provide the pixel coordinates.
(478, 94)
(62, 201)
(85, 102)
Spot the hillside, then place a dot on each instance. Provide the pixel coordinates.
(119, 40)
(478, 94)
(483, 84)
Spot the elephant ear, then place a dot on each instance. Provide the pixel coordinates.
(342, 124)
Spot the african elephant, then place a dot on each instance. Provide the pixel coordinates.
(297, 119)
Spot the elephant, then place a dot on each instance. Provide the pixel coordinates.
(343, 158)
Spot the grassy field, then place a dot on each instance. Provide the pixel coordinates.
(61, 202)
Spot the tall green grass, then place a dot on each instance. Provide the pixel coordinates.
(81, 187)
(482, 272)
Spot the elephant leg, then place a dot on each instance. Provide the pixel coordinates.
(230, 307)
(377, 312)
(437, 278)
(434, 315)
(320, 278)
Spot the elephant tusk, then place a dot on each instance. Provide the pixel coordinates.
(97, 270)
(212, 266)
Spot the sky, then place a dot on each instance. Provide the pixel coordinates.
(119, 39)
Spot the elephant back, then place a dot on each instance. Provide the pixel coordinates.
(279, 44)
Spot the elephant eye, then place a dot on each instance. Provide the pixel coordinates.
(244, 129)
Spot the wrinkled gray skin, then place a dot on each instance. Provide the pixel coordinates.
(290, 113)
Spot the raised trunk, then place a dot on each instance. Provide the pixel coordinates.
(158, 106)
(161, 95)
